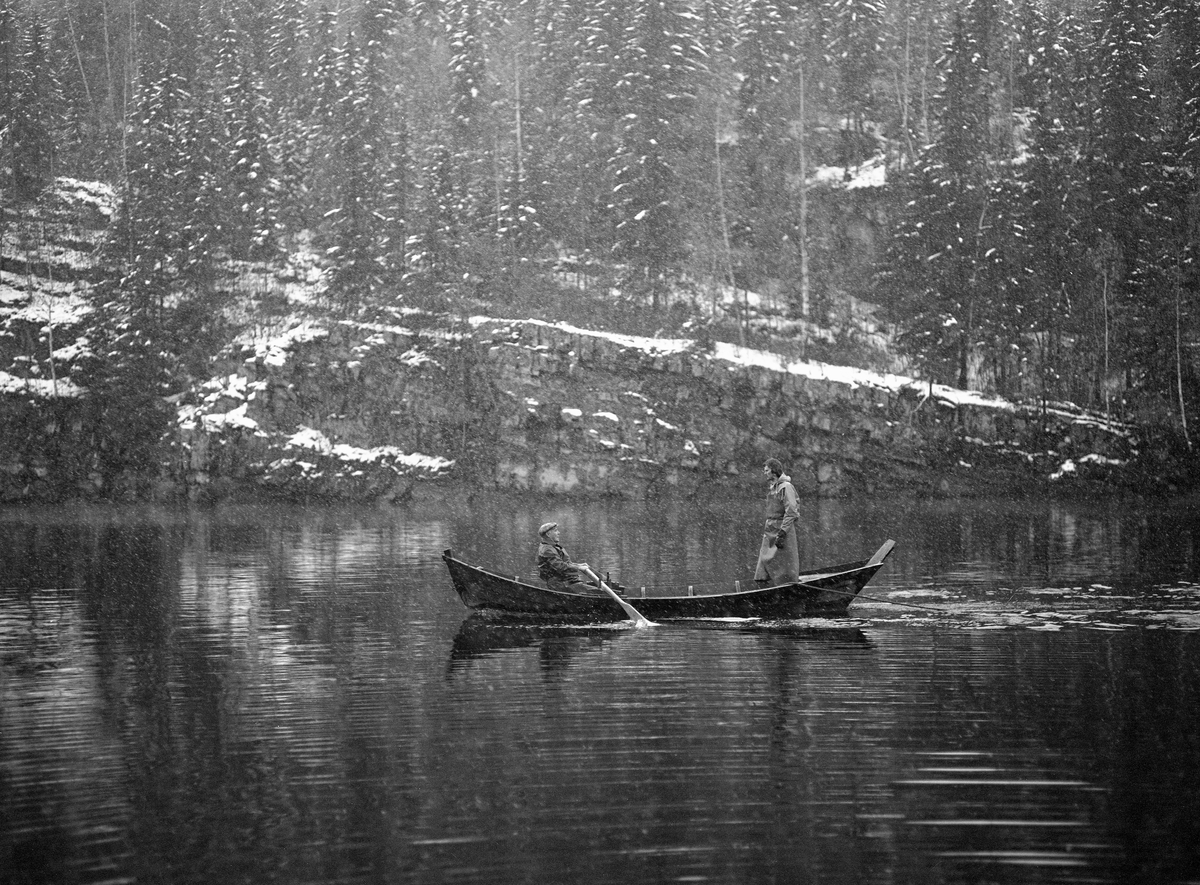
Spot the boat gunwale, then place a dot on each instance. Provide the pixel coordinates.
(804, 582)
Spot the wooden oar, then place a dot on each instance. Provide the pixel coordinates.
(632, 613)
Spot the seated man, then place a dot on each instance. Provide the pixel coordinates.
(557, 569)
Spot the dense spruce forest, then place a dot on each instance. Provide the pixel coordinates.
(1040, 158)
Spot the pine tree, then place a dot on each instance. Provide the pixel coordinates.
(458, 213)
(1183, 145)
(763, 51)
(287, 36)
(940, 252)
(91, 39)
(855, 46)
(1122, 183)
(518, 182)
(396, 165)
(359, 225)
(353, 273)
(313, 138)
(708, 167)
(907, 66)
(146, 235)
(35, 128)
(1175, 261)
(134, 342)
(661, 58)
(963, 143)
(587, 52)
(248, 182)
(468, 112)
(1061, 302)
(10, 67)
(435, 260)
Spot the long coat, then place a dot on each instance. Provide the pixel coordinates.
(779, 560)
(556, 568)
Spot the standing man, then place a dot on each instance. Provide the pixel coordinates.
(779, 555)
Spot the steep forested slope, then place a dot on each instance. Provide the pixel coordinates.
(1028, 220)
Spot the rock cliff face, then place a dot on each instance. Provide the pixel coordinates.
(547, 408)
(590, 412)
(578, 411)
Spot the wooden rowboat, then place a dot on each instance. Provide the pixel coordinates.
(825, 592)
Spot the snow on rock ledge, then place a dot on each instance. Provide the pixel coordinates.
(312, 466)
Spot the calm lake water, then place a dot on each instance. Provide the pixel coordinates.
(258, 694)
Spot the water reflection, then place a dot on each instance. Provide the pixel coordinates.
(486, 635)
(297, 695)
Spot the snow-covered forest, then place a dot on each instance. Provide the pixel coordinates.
(1037, 166)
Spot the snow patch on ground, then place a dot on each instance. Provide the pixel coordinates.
(870, 173)
(272, 349)
(38, 388)
(97, 194)
(59, 303)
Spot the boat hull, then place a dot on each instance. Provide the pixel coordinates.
(826, 593)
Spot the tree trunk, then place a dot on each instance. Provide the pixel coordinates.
(803, 232)
(724, 220)
(517, 104)
(87, 91)
(906, 98)
(1104, 380)
(1183, 421)
(49, 304)
(108, 68)
(925, 128)
(497, 178)
(965, 342)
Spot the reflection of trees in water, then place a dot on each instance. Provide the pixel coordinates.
(60, 735)
(1033, 542)
(217, 656)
